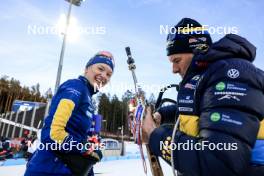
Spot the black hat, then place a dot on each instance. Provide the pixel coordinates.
(186, 36)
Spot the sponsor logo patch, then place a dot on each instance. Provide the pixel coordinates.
(229, 97)
(233, 73)
(227, 118)
(215, 117)
(230, 86)
(220, 86)
(185, 109)
(186, 101)
(230, 93)
(74, 91)
(189, 86)
(196, 78)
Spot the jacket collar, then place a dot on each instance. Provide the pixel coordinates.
(230, 46)
(88, 84)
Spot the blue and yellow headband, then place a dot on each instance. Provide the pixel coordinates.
(104, 57)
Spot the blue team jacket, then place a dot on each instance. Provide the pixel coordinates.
(69, 121)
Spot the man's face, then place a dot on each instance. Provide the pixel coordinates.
(98, 74)
(180, 62)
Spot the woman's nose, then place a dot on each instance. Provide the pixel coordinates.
(104, 75)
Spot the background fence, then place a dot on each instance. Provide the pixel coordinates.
(13, 124)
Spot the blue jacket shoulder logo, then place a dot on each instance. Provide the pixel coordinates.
(233, 73)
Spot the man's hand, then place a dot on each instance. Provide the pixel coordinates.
(157, 118)
(148, 125)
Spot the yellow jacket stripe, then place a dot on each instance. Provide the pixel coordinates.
(261, 130)
(60, 119)
(189, 125)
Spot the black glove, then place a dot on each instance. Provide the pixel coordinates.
(93, 152)
(168, 114)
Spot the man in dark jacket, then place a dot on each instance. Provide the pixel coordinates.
(220, 105)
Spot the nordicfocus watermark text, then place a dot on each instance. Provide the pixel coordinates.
(122, 87)
(203, 145)
(71, 145)
(55, 30)
(222, 30)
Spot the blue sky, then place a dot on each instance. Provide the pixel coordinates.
(136, 23)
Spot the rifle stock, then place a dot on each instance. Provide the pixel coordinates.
(154, 163)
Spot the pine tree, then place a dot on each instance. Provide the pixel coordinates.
(104, 110)
(11, 90)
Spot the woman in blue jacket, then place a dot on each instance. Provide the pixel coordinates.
(65, 148)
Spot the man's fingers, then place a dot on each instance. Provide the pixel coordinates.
(148, 110)
(148, 125)
(157, 118)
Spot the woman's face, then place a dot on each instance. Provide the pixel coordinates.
(98, 74)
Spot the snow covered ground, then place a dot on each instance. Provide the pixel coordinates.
(129, 165)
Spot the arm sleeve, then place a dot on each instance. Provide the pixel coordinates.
(160, 140)
(231, 107)
(69, 97)
(60, 119)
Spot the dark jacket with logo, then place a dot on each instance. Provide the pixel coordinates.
(220, 106)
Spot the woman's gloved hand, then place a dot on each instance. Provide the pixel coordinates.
(92, 149)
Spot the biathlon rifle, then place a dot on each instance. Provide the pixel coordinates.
(139, 115)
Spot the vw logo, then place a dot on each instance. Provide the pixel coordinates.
(233, 73)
